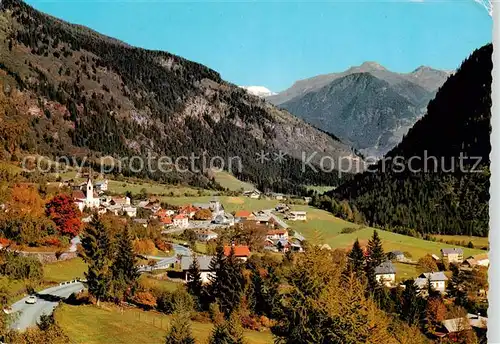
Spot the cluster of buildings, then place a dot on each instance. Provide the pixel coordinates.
(386, 272)
(256, 194)
(241, 252)
(86, 195)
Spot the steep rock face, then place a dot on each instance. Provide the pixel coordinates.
(120, 100)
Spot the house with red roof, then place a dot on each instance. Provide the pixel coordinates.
(166, 220)
(181, 221)
(188, 210)
(240, 251)
(242, 215)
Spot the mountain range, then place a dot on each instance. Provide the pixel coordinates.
(367, 106)
(76, 92)
(437, 179)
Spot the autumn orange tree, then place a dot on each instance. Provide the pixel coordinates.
(63, 211)
(24, 199)
(203, 215)
(435, 313)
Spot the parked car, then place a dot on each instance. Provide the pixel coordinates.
(31, 300)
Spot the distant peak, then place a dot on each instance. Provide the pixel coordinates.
(423, 69)
(371, 65)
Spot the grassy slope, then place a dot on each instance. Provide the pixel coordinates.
(149, 282)
(230, 182)
(64, 270)
(476, 241)
(92, 325)
(322, 227)
(230, 203)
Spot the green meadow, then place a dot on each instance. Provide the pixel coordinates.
(110, 324)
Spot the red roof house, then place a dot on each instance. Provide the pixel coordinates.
(240, 251)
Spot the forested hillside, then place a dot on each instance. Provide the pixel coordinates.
(443, 195)
(75, 92)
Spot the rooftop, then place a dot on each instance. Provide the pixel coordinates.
(385, 268)
(276, 231)
(482, 256)
(239, 250)
(434, 276)
(242, 213)
(454, 250)
(203, 261)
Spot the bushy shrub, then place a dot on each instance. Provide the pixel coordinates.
(348, 230)
(169, 302)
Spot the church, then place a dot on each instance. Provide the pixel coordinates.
(86, 197)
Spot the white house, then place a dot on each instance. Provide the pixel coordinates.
(385, 273)
(436, 279)
(102, 185)
(86, 198)
(181, 221)
(120, 200)
(297, 216)
(206, 235)
(224, 219)
(452, 255)
(252, 194)
(276, 234)
(203, 262)
(130, 211)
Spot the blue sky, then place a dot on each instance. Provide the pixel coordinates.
(276, 43)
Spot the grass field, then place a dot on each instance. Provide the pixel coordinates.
(476, 241)
(323, 227)
(230, 203)
(230, 182)
(149, 282)
(405, 271)
(119, 187)
(64, 270)
(93, 325)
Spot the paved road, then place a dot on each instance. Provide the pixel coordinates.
(166, 262)
(27, 315)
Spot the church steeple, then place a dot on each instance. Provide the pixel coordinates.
(90, 189)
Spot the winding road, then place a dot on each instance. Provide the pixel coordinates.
(27, 315)
(166, 262)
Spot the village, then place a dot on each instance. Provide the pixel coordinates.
(185, 231)
(209, 220)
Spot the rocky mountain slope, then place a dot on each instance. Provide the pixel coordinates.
(368, 106)
(77, 92)
(437, 179)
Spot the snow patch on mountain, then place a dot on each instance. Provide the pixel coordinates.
(259, 91)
